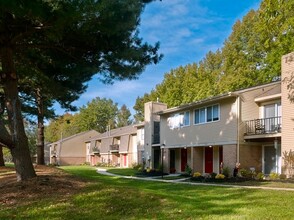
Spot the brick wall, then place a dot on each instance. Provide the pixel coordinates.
(229, 156)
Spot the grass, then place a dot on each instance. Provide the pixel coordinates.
(117, 198)
(123, 172)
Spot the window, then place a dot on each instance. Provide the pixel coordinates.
(179, 120)
(215, 113)
(206, 114)
(185, 119)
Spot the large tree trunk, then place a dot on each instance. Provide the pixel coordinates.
(2, 164)
(19, 147)
(40, 135)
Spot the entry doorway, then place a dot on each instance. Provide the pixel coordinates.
(208, 159)
(156, 158)
(124, 160)
(183, 159)
(269, 159)
(172, 161)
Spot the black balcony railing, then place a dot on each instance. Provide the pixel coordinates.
(263, 126)
(95, 150)
(114, 147)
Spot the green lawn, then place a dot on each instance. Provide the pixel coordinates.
(123, 172)
(117, 198)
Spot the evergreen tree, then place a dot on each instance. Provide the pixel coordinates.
(81, 35)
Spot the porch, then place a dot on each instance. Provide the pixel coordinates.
(263, 126)
(203, 159)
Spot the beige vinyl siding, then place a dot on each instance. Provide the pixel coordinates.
(249, 108)
(75, 146)
(287, 106)
(212, 133)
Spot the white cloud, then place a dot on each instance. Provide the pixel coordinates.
(186, 29)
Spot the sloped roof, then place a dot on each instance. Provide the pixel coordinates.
(222, 96)
(117, 132)
(273, 91)
(73, 136)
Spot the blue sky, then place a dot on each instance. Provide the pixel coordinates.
(186, 30)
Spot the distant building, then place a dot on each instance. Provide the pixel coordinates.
(116, 147)
(70, 150)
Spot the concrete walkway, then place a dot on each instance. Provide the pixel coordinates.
(181, 181)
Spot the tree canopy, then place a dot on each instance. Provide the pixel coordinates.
(250, 56)
(61, 40)
(96, 115)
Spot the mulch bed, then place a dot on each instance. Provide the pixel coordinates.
(50, 181)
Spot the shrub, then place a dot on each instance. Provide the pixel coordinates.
(246, 173)
(104, 165)
(213, 175)
(283, 176)
(197, 174)
(188, 170)
(136, 166)
(273, 176)
(220, 176)
(226, 171)
(260, 176)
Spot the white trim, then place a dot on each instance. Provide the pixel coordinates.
(201, 144)
(205, 107)
(268, 98)
(278, 167)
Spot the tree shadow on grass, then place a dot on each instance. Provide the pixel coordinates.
(117, 198)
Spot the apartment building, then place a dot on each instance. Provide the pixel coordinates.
(253, 127)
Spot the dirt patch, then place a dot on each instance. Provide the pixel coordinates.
(50, 181)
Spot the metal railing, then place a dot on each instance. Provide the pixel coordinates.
(95, 150)
(114, 147)
(264, 126)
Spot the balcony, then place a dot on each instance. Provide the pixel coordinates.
(95, 150)
(261, 126)
(53, 152)
(113, 148)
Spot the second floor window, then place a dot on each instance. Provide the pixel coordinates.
(185, 119)
(179, 120)
(206, 114)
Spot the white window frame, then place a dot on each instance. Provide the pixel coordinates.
(184, 114)
(205, 114)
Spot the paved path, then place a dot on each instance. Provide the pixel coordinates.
(181, 181)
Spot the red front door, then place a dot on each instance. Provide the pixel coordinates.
(208, 160)
(125, 160)
(183, 159)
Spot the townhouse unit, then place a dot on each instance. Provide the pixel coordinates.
(70, 150)
(253, 127)
(115, 147)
